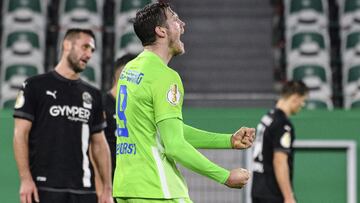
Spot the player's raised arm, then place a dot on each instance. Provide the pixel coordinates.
(241, 139)
(177, 148)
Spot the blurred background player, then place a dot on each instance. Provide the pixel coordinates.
(109, 107)
(273, 149)
(57, 115)
(152, 137)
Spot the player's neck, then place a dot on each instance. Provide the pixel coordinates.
(282, 105)
(64, 70)
(113, 91)
(162, 51)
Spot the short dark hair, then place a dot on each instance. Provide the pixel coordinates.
(294, 87)
(73, 33)
(122, 61)
(147, 19)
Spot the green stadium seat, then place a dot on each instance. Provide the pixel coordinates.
(80, 13)
(303, 71)
(352, 40)
(92, 74)
(353, 74)
(22, 42)
(351, 6)
(308, 42)
(32, 5)
(353, 100)
(89, 74)
(129, 5)
(355, 104)
(128, 43)
(128, 39)
(297, 6)
(20, 69)
(312, 104)
(306, 13)
(350, 49)
(23, 47)
(351, 83)
(9, 104)
(126, 10)
(307, 47)
(73, 5)
(24, 13)
(349, 13)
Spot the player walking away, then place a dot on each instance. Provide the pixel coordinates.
(57, 116)
(273, 151)
(109, 107)
(152, 137)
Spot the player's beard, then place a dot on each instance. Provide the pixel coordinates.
(175, 45)
(74, 62)
(176, 48)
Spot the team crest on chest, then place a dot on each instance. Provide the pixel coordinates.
(173, 95)
(87, 100)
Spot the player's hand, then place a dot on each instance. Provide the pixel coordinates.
(243, 138)
(292, 200)
(28, 190)
(106, 196)
(238, 178)
(289, 199)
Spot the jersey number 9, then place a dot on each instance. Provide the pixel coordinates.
(121, 106)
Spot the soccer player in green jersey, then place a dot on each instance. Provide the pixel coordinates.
(152, 137)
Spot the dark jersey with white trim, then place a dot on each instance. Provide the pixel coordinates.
(64, 114)
(275, 132)
(110, 130)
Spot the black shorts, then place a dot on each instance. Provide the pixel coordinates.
(66, 197)
(267, 200)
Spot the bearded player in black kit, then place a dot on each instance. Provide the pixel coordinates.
(57, 116)
(273, 150)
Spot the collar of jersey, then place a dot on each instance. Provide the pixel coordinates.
(281, 112)
(61, 78)
(153, 56)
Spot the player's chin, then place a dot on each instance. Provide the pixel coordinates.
(181, 49)
(80, 68)
(178, 51)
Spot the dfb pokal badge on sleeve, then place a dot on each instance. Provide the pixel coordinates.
(20, 100)
(173, 95)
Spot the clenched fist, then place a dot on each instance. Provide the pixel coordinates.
(238, 178)
(243, 138)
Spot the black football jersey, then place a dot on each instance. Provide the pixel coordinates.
(275, 132)
(64, 114)
(110, 130)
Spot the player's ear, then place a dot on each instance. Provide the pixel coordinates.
(160, 31)
(67, 45)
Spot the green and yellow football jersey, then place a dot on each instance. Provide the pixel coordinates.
(148, 92)
(149, 101)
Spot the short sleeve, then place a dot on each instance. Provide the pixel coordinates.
(25, 105)
(98, 122)
(168, 95)
(282, 137)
